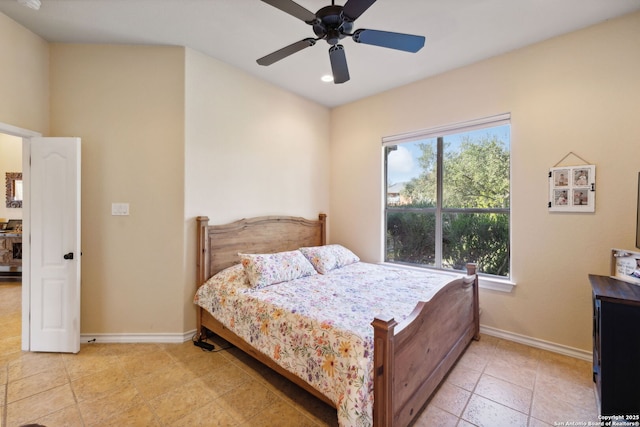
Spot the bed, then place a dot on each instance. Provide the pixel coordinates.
(410, 356)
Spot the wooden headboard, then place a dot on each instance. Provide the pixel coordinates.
(218, 245)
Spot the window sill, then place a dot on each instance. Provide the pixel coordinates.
(502, 285)
(491, 283)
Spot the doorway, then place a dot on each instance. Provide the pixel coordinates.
(10, 268)
(22, 136)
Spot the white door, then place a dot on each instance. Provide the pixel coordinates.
(54, 264)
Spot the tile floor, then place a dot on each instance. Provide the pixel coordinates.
(495, 383)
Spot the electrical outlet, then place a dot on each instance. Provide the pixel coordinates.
(119, 208)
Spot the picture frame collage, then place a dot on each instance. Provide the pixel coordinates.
(572, 188)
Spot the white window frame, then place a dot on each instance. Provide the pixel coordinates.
(488, 281)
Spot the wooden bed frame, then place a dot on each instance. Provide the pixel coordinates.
(410, 358)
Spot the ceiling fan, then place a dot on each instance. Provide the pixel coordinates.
(333, 23)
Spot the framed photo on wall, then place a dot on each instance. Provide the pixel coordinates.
(572, 189)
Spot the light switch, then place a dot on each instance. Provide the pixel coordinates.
(119, 208)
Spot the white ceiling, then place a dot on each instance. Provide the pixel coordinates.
(238, 32)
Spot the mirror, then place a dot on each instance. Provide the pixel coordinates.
(14, 189)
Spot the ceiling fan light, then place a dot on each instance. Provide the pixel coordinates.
(32, 4)
(327, 78)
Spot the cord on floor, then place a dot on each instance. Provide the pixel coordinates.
(207, 346)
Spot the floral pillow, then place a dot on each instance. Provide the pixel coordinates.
(268, 269)
(234, 276)
(329, 257)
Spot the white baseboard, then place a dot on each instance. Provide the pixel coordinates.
(178, 338)
(169, 338)
(537, 343)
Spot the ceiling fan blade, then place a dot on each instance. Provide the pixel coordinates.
(399, 41)
(293, 9)
(338, 64)
(354, 8)
(286, 51)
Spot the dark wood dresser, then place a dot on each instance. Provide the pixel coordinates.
(616, 345)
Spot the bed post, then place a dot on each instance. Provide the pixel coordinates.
(202, 263)
(383, 361)
(323, 228)
(472, 271)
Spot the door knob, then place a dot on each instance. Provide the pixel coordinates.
(68, 256)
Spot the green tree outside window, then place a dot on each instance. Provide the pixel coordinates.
(448, 201)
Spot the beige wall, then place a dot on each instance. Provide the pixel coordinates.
(24, 77)
(252, 149)
(177, 134)
(576, 93)
(174, 146)
(127, 105)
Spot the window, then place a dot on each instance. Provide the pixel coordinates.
(447, 196)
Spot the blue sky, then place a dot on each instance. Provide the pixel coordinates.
(403, 165)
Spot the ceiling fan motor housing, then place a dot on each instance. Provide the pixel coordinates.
(331, 25)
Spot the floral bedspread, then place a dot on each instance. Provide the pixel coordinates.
(319, 327)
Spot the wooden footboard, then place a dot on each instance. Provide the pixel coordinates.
(411, 358)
